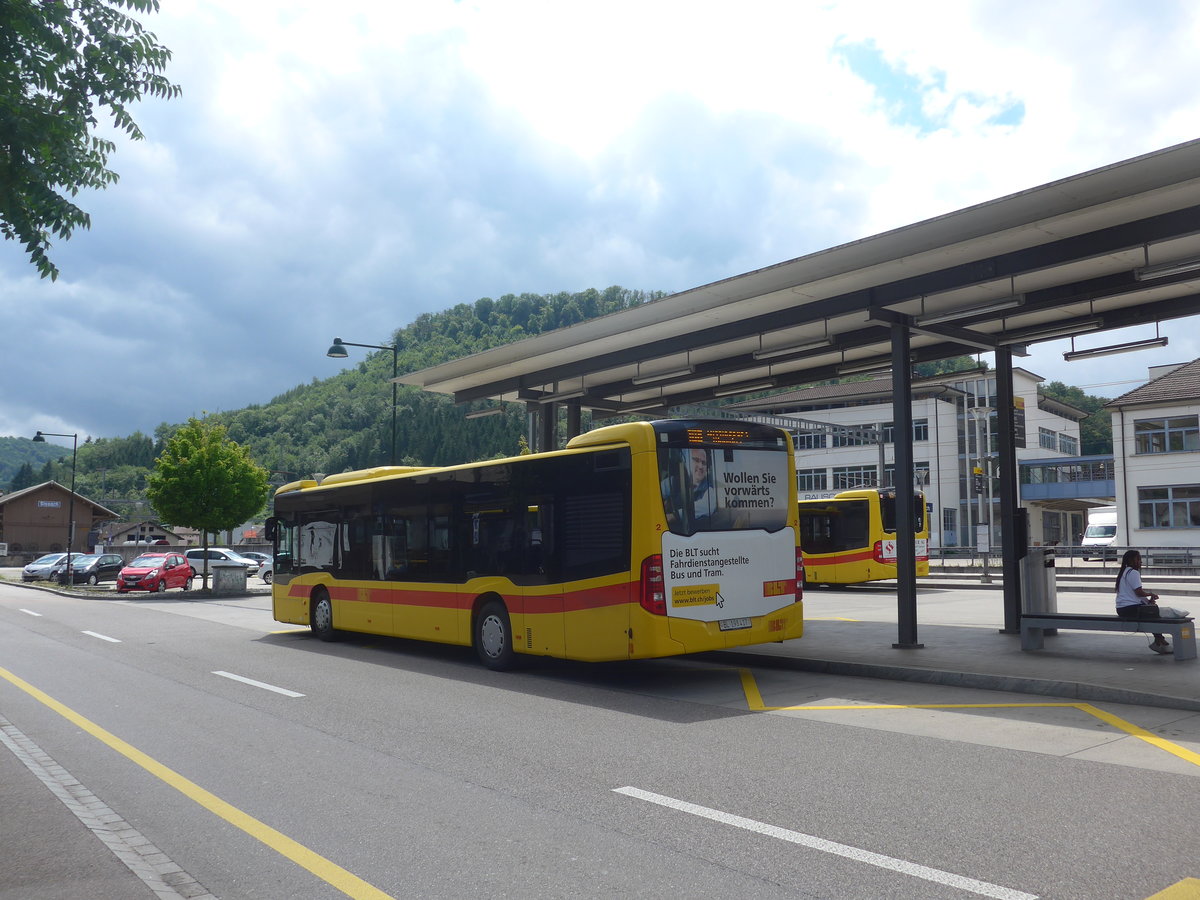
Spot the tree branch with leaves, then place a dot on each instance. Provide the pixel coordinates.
(62, 63)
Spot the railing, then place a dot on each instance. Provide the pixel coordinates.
(1085, 559)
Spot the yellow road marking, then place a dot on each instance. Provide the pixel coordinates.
(331, 873)
(755, 703)
(1188, 889)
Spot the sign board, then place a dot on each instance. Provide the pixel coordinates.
(50, 504)
(1018, 421)
(982, 540)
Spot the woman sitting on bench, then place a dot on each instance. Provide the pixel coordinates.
(1134, 601)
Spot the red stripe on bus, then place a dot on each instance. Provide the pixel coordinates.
(829, 559)
(457, 597)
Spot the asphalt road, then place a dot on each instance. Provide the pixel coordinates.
(257, 762)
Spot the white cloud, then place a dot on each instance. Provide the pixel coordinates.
(339, 172)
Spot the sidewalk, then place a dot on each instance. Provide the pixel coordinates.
(959, 623)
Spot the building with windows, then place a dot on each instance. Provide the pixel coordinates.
(39, 518)
(1156, 450)
(846, 440)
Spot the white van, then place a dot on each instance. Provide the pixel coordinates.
(218, 556)
(1101, 533)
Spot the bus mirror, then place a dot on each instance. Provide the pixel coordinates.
(270, 528)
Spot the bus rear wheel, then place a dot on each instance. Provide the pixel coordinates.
(493, 637)
(321, 616)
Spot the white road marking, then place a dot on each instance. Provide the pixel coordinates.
(30, 612)
(103, 637)
(146, 861)
(260, 684)
(949, 879)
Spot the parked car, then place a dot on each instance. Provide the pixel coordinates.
(90, 568)
(261, 558)
(155, 572)
(39, 569)
(218, 556)
(267, 572)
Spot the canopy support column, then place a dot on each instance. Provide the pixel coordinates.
(906, 539)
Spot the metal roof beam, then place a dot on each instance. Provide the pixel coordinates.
(1115, 238)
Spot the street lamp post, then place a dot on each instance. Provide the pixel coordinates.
(40, 438)
(981, 414)
(338, 351)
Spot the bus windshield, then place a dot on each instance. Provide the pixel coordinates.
(707, 486)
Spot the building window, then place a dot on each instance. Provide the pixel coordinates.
(950, 527)
(1052, 528)
(1167, 435)
(920, 475)
(848, 477)
(1068, 445)
(811, 480)
(920, 431)
(1047, 439)
(1169, 507)
(857, 439)
(810, 440)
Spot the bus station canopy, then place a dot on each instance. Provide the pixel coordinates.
(1106, 249)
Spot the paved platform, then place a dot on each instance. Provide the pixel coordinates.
(852, 632)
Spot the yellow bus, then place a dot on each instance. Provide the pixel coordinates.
(637, 540)
(850, 538)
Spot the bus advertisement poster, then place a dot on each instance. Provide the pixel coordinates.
(721, 575)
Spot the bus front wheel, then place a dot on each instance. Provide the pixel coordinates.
(493, 636)
(321, 616)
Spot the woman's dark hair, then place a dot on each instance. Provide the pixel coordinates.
(1127, 563)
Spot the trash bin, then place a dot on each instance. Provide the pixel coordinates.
(227, 578)
(1039, 583)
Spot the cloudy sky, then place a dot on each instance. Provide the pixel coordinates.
(338, 169)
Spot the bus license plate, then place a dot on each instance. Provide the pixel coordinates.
(733, 624)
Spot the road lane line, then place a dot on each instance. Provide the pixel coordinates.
(949, 879)
(103, 637)
(30, 612)
(259, 684)
(127, 844)
(331, 873)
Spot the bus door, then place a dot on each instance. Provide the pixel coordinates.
(506, 542)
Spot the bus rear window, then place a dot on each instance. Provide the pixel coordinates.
(706, 488)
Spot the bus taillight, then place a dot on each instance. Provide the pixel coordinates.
(654, 588)
(877, 553)
(799, 575)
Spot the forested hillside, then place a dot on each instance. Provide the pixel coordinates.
(344, 421)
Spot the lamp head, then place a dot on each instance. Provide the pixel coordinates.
(338, 350)
(39, 438)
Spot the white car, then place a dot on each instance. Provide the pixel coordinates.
(267, 572)
(39, 569)
(218, 556)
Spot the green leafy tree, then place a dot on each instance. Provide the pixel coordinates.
(1095, 432)
(61, 63)
(24, 478)
(203, 480)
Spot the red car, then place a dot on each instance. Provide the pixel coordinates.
(155, 572)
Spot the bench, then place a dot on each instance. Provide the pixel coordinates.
(1181, 630)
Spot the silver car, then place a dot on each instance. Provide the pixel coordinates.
(39, 569)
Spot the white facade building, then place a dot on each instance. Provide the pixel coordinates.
(839, 444)
(1156, 450)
